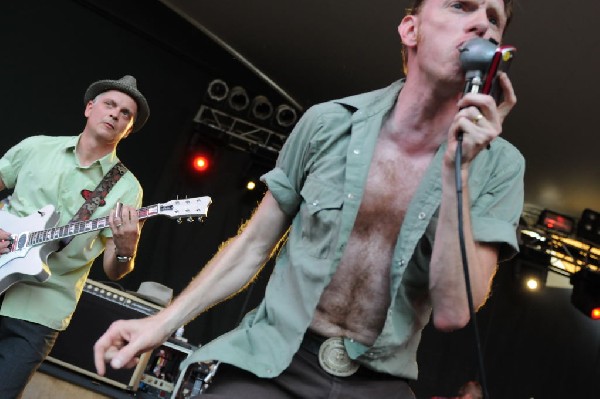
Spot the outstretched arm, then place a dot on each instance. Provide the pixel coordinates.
(235, 264)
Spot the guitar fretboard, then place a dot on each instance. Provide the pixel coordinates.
(84, 226)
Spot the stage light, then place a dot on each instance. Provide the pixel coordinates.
(531, 269)
(217, 90)
(261, 108)
(556, 222)
(200, 163)
(533, 283)
(238, 99)
(588, 227)
(250, 185)
(586, 292)
(285, 115)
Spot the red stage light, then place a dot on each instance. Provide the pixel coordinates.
(595, 314)
(200, 163)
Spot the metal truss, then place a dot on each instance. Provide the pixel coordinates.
(568, 255)
(241, 133)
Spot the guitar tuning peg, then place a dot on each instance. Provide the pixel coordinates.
(201, 219)
(179, 221)
(190, 219)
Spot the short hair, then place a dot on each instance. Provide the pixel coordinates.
(416, 7)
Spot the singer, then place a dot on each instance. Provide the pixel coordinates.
(364, 193)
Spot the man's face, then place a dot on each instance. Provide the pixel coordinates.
(111, 115)
(443, 26)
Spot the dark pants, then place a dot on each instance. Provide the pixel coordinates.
(305, 378)
(23, 347)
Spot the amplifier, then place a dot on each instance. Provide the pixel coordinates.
(98, 307)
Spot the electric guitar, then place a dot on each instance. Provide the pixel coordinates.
(29, 250)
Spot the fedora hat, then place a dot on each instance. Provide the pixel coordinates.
(127, 85)
(155, 293)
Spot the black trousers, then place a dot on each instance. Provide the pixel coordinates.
(23, 347)
(305, 378)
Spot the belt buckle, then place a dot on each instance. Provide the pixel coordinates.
(334, 359)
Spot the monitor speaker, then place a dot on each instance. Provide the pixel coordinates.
(99, 306)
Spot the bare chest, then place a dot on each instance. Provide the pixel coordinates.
(357, 298)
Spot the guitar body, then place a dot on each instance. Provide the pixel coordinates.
(28, 262)
(36, 236)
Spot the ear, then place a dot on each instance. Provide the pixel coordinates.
(88, 108)
(409, 30)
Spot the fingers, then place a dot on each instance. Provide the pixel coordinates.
(113, 347)
(123, 218)
(510, 99)
(5, 242)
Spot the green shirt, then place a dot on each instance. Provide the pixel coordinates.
(319, 180)
(45, 170)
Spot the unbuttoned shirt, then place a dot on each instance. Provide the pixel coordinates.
(45, 170)
(319, 180)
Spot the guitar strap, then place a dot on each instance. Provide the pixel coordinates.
(97, 196)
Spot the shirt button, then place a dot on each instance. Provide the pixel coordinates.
(350, 196)
(315, 203)
(421, 215)
(356, 152)
(401, 262)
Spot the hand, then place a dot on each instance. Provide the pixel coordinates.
(480, 121)
(125, 341)
(124, 222)
(5, 242)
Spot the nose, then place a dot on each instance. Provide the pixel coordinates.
(479, 22)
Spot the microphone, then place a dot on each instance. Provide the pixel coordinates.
(475, 58)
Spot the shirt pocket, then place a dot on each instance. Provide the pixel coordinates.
(321, 213)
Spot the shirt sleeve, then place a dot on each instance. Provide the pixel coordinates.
(13, 160)
(495, 213)
(285, 181)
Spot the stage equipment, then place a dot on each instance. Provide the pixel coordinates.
(556, 222)
(256, 126)
(162, 377)
(531, 269)
(217, 90)
(261, 108)
(588, 227)
(285, 116)
(586, 292)
(98, 307)
(238, 99)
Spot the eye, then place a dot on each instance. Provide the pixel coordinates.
(126, 114)
(494, 20)
(458, 5)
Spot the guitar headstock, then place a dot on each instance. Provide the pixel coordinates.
(185, 208)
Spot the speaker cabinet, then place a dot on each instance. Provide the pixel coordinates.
(98, 307)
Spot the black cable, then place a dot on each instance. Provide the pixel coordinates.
(463, 252)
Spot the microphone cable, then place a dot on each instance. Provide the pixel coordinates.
(465, 262)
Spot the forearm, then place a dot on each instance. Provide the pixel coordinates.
(447, 281)
(234, 265)
(115, 269)
(227, 273)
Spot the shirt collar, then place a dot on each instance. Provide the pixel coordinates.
(106, 162)
(375, 101)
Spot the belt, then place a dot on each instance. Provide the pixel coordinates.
(334, 360)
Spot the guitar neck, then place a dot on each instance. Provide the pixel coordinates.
(81, 227)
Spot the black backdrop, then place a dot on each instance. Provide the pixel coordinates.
(534, 346)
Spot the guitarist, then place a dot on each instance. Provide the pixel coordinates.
(64, 171)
